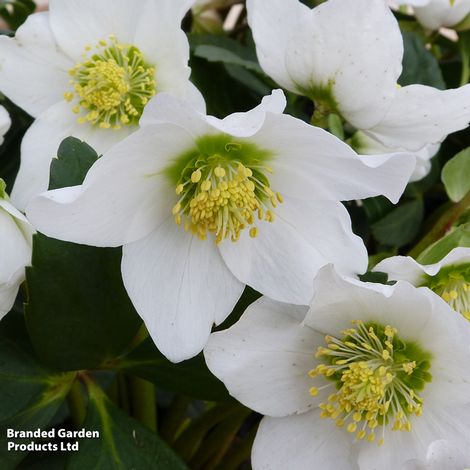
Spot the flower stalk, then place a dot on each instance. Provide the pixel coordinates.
(442, 226)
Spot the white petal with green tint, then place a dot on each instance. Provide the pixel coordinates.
(354, 67)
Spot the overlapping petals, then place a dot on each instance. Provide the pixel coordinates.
(128, 198)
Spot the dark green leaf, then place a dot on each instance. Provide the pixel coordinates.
(79, 314)
(191, 377)
(29, 394)
(74, 159)
(419, 65)
(458, 237)
(123, 444)
(401, 225)
(223, 49)
(15, 12)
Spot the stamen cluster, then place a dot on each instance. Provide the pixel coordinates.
(376, 380)
(452, 283)
(224, 197)
(112, 86)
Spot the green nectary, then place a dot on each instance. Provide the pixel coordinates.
(223, 186)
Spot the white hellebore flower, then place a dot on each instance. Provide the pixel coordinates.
(389, 377)
(5, 123)
(204, 206)
(15, 250)
(87, 68)
(449, 278)
(347, 57)
(435, 14)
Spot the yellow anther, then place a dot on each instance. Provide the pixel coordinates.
(219, 172)
(361, 435)
(385, 355)
(357, 416)
(206, 185)
(196, 176)
(352, 427)
(313, 391)
(176, 208)
(179, 189)
(253, 232)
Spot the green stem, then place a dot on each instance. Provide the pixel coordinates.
(239, 453)
(218, 441)
(187, 444)
(465, 55)
(173, 418)
(143, 401)
(76, 404)
(442, 226)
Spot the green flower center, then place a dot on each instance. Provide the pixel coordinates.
(112, 86)
(377, 378)
(452, 283)
(222, 188)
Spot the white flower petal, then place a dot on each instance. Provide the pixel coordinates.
(123, 198)
(33, 70)
(249, 123)
(165, 107)
(438, 13)
(337, 301)
(406, 268)
(365, 144)
(15, 248)
(272, 23)
(311, 163)
(413, 3)
(77, 23)
(40, 144)
(5, 123)
(354, 50)
(287, 253)
(265, 357)
(9, 290)
(420, 443)
(303, 442)
(165, 45)
(179, 286)
(442, 454)
(421, 115)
